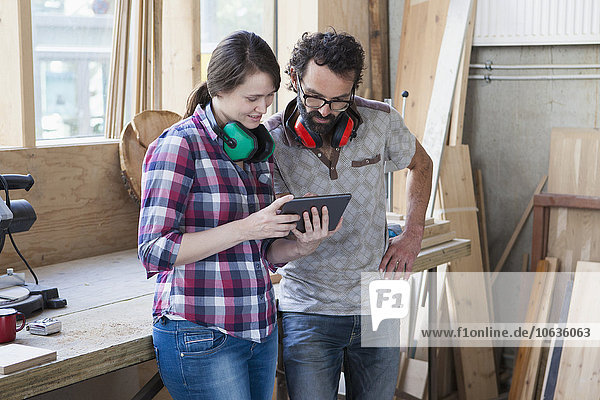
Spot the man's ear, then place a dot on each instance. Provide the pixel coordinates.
(293, 79)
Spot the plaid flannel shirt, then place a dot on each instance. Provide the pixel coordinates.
(189, 184)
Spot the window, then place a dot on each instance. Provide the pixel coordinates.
(220, 18)
(72, 42)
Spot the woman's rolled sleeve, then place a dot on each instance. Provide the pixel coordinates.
(167, 177)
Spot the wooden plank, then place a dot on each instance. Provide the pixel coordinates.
(432, 227)
(482, 220)
(475, 367)
(580, 366)
(460, 94)
(115, 107)
(17, 110)
(157, 55)
(457, 203)
(181, 52)
(518, 228)
(573, 234)
(438, 239)
(423, 25)
(525, 262)
(549, 385)
(415, 378)
(440, 107)
(16, 357)
(442, 253)
(525, 374)
(82, 206)
(378, 49)
(400, 218)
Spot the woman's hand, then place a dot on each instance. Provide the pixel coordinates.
(267, 223)
(316, 231)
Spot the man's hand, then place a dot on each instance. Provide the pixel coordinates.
(315, 231)
(401, 254)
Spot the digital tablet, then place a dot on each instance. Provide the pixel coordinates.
(336, 204)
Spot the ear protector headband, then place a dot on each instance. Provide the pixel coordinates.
(241, 143)
(343, 130)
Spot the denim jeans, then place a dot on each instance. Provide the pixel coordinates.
(202, 363)
(316, 346)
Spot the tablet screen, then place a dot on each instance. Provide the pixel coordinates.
(336, 204)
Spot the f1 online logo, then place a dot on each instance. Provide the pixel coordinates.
(388, 299)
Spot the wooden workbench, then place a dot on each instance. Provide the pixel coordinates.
(107, 324)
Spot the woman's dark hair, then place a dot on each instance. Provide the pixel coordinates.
(240, 54)
(341, 52)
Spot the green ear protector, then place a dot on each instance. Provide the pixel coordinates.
(241, 143)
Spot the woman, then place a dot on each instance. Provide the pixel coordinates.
(207, 228)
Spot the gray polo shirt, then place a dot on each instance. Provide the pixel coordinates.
(328, 280)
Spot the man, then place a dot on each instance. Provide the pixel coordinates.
(330, 141)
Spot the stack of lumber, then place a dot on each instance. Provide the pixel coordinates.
(568, 371)
(433, 67)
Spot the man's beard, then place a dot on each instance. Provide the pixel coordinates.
(308, 117)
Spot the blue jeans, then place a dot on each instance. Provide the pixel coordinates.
(316, 346)
(201, 363)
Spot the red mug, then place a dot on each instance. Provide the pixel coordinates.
(8, 324)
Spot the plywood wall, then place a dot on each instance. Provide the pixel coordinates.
(81, 203)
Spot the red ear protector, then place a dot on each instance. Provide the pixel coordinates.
(343, 130)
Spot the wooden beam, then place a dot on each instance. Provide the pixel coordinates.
(379, 49)
(460, 94)
(115, 107)
(567, 201)
(485, 252)
(518, 228)
(17, 107)
(525, 374)
(157, 55)
(181, 52)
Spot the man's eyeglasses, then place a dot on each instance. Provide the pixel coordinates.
(318, 102)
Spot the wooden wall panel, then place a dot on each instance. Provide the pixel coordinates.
(574, 169)
(81, 204)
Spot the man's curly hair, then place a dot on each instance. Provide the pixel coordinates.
(341, 52)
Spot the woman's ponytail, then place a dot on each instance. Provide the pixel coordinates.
(200, 96)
